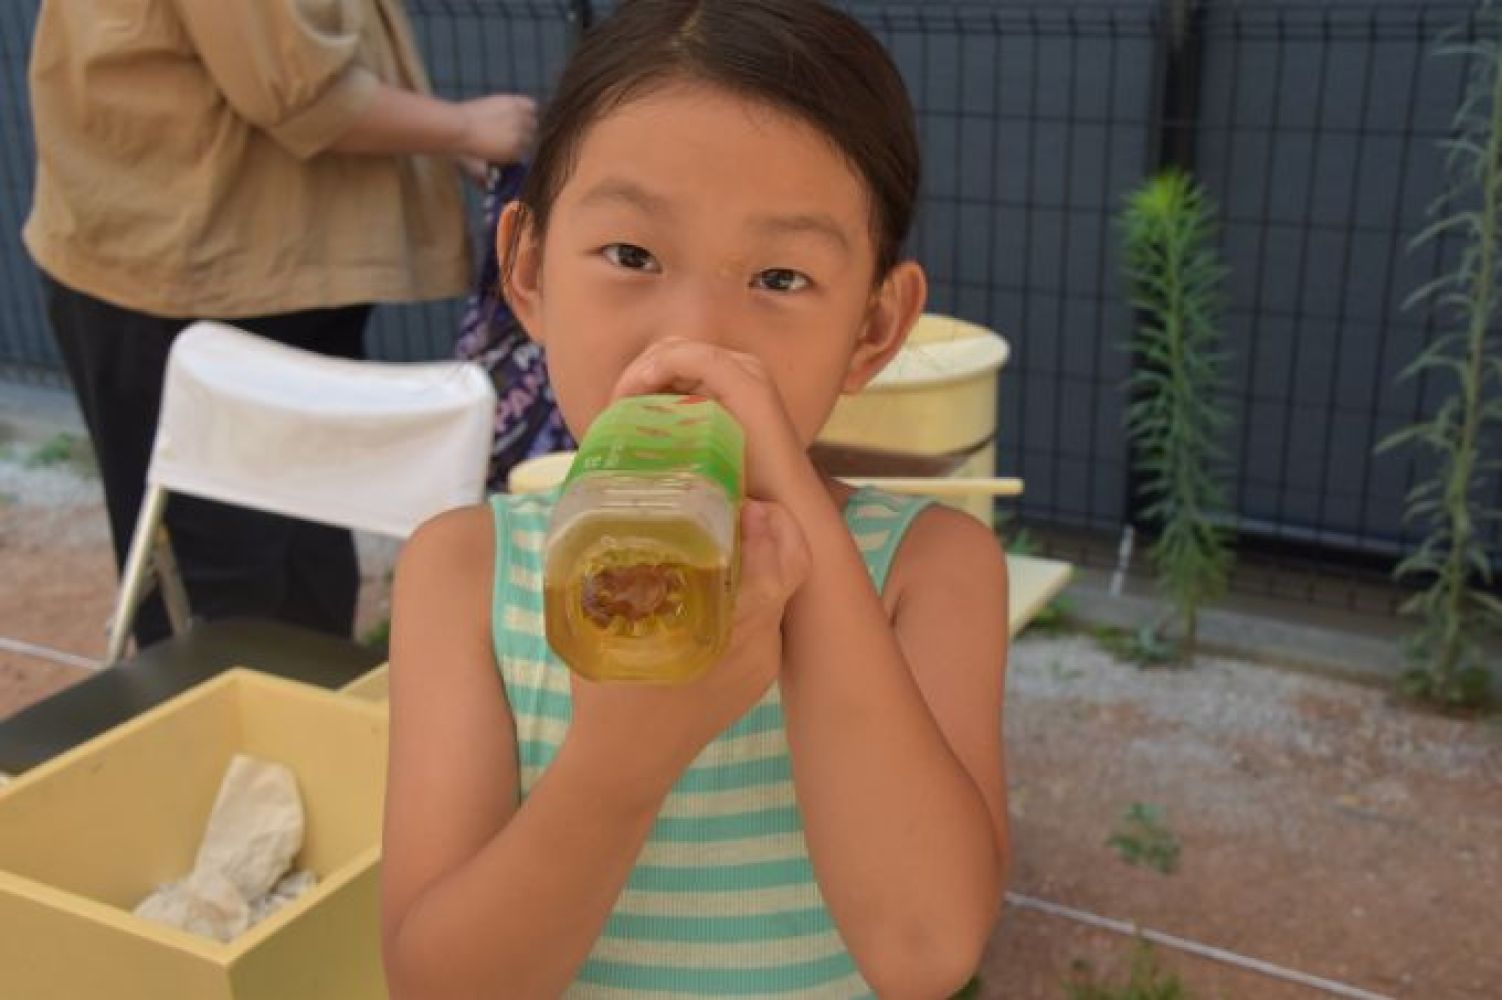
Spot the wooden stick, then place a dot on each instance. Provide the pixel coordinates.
(946, 487)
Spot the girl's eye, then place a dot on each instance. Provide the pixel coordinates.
(631, 257)
(781, 279)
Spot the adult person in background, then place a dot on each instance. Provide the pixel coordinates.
(277, 164)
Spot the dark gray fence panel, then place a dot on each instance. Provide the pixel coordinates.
(1318, 137)
(26, 350)
(1034, 127)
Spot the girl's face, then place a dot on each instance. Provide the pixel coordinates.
(694, 213)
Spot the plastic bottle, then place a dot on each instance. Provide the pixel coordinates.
(643, 551)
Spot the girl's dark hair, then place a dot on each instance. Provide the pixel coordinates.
(802, 57)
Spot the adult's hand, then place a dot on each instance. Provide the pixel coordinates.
(499, 128)
(495, 129)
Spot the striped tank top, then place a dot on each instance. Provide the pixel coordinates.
(722, 899)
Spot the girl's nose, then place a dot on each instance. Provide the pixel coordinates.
(704, 310)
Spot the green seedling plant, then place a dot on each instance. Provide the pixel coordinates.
(1144, 840)
(1056, 618)
(1454, 610)
(1176, 420)
(63, 449)
(1146, 646)
(378, 636)
(1147, 981)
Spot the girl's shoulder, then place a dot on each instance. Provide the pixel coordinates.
(440, 600)
(455, 545)
(945, 548)
(470, 537)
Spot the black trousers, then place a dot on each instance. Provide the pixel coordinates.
(233, 561)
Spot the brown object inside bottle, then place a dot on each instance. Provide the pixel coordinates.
(633, 593)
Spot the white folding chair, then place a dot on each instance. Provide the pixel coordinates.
(366, 445)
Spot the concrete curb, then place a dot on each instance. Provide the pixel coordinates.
(1364, 649)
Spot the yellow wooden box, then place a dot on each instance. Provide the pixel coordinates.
(84, 837)
(374, 686)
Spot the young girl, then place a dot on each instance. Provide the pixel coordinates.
(717, 205)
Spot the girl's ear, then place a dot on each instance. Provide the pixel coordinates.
(520, 255)
(894, 311)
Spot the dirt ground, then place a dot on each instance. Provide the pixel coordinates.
(1321, 827)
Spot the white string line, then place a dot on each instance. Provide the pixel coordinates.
(1194, 948)
(47, 653)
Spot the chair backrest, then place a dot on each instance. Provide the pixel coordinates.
(374, 446)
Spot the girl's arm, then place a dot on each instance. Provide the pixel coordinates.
(485, 898)
(480, 897)
(894, 722)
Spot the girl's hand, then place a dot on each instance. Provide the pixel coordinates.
(647, 734)
(777, 464)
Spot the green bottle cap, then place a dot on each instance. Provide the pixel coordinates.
(660, 434)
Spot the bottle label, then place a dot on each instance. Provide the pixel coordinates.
(691, 435)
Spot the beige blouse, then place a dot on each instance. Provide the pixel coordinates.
(182, 167)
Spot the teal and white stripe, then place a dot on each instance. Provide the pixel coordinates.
(722, 901)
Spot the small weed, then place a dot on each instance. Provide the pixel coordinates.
(969, 991)
(1023, 544)
(1148, 981)
(1056, 618)
(1145, 647)
(378, 636)
(1142, 839)
(1463, 690)
(1017, 541)
(54, 451)
(63, 449)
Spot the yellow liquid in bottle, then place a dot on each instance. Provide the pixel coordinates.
(638, 598)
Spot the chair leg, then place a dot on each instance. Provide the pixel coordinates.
(133, 581)
(170, 579)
